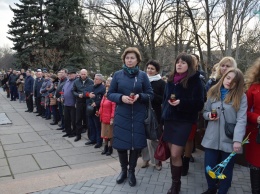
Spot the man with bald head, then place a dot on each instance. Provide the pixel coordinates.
(79, 86)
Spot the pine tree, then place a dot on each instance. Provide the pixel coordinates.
(27, 30)
(67, 29)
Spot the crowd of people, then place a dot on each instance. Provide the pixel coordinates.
(113, 110)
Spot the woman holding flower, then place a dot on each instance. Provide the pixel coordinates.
(227, 98)
(253, 123)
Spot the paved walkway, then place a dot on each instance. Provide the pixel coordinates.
(34, 157)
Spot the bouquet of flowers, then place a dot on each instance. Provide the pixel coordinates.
(217, 171)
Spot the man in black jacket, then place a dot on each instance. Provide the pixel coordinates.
(37, 86)
(28, 88)
(79, 87)
(12, 85)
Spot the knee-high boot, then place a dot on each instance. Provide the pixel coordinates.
(123, 159)
(176, 180)
(132, 164)
(255, 181)
(185, 165)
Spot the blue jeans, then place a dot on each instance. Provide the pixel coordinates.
(94, 125)
(211, 159)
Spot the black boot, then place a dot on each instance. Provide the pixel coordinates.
(134, 154)
(185, 166)
(109, 151)
(210, 191)
(105, 150)
(255, 181)
(123, 159)
(176, 180)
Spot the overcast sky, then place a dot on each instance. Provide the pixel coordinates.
(6, 16)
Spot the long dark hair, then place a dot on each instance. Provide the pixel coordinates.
(191, 70)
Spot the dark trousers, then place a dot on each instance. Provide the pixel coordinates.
(54, 112)
(29, 100)
(13, 92)
(47, 112)
(211, 159)
(39, 107)
(94, 127)
(69, 119)
(80, 117)
(61, 107)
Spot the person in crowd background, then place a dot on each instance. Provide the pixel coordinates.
(129, 89)
(62, 75)
(180, 111)
(95, 94)
(37, 95)
(158, 85)
(228, 99)
(252, 77)
(52, 97)
(20, 88)
(106, 114)
(79, 87)
(28, 88)
(69, 100)
(12, 85)
(46, 85)
(225, 64)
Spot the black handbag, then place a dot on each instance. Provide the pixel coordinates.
(229, 127)
(90, 110)
(151, 124)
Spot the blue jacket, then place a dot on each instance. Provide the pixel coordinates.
(46, 84)
(99, 91)
(191, 100)
(28, 85)
(69, 98)
(129, 129)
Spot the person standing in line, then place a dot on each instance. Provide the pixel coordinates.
(12, 85)
(62, 80)
(28, 88)
(183, 99)
(252, 77)
(158, 85)
(79, 87)
(130, 90)
(20, 87)
(37, 95)
(69, 100)
(228, 100)
(106, 114)
(95, 94)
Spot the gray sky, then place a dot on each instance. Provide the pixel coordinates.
(6, 16)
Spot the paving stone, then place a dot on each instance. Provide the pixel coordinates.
(15, 129)
(48, 160)
(21, 164)
(24, 145)
(26, 151)
(3, 162)
(4, 171)
(10, 139)
(58, 144)
(30, 137)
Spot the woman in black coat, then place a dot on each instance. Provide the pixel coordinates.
(183, 99)
(129, 89)
(158, 85)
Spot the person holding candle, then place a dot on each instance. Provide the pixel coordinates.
(252, 76)
(228, 99)
(129, 128)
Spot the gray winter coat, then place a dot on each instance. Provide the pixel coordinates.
(215, 137)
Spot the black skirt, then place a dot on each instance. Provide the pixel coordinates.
(176, 132)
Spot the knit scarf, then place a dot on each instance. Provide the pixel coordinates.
(178, 77)
(223, 92)
(154, 77)
(131, 71)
